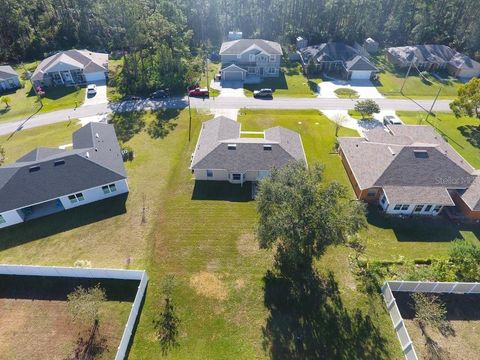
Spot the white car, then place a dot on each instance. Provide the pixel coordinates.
(391, 120)
(91, 89)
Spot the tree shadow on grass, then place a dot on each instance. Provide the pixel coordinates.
(163, 123)
(42, 227)
(222, 191)
(307, 320)
(128, 124)
(420, 229)
(471, 133)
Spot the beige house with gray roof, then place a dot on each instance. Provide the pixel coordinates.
(221, 154)
(71, 67)
(410, 169)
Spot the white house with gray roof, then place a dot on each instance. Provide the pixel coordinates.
(50, 180)
(250, 60)
(410, 169)
(221, 154)
(9, 79)
(71, 67)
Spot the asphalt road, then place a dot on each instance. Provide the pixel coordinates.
(216, 103)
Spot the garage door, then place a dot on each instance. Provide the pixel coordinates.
(97, 76)
(233, 75)
(361, 75)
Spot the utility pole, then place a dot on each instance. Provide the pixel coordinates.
(433, 104)
(206, 61)
(406, 76)
(190, 117)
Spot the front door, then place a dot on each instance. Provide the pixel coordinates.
(261, 71)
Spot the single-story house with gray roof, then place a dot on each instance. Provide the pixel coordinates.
(249, 60)
(410, 169)
(71, 67)
(9, 79)
(338, 58)
(49, 180)
(221, 154)
(433, 58)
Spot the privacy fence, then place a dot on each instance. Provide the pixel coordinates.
(93, 273)
(418, 286)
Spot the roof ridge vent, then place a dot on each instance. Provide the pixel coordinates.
(87, 154)
(391, 151)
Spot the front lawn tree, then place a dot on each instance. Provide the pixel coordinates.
(6, 100)
(367, 108)
(468, 101)
(2, 155)
(166, 326)
(302, 215)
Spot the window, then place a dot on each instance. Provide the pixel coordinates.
(251, 57)
(397, 207)
(272, 70)
(383, 200)
(272, 58)
(232, 146)
(372, 192)
(405, 207)
(34, 169)
(267, 147)
(109, 188)
(428, 207)
(418, 208)
(236, 177)
(209, 173)
(74, 198)
(2, 220)
(252, 70)
(437, 208)
(59, 162)
(420, 154)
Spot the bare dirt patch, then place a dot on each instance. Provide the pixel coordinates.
(462, 341)
(209, 285)
(247, 245)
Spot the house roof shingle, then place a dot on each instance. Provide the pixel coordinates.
(82, 168)
(212, 150)
(85, 60)
(236, 47)
(410, 162)
(7, 72)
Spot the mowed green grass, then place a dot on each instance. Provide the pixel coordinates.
(290, 83)
(204, 237)
(25, 103)
(391, 80)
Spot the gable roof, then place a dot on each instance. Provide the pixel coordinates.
(212, 150)
(236, 47)
(337, 51)
(95, 160)
(471, 197)
(410, 162)
(87, 61)
(7, 72)
(433, 53)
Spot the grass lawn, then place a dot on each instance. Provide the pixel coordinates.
(114, 68)
(391, 80)
(355, 114)
(462, 133)
(290, 83)
(346, 93)
(203, 235)
(24, 102)
(213, 69)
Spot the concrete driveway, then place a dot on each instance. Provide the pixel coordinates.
(229, 88)
(364, 88)
(100, 97)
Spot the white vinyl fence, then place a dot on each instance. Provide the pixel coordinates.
(55, 271)
(418, 286)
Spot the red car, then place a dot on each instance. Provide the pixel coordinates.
(198, 92)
